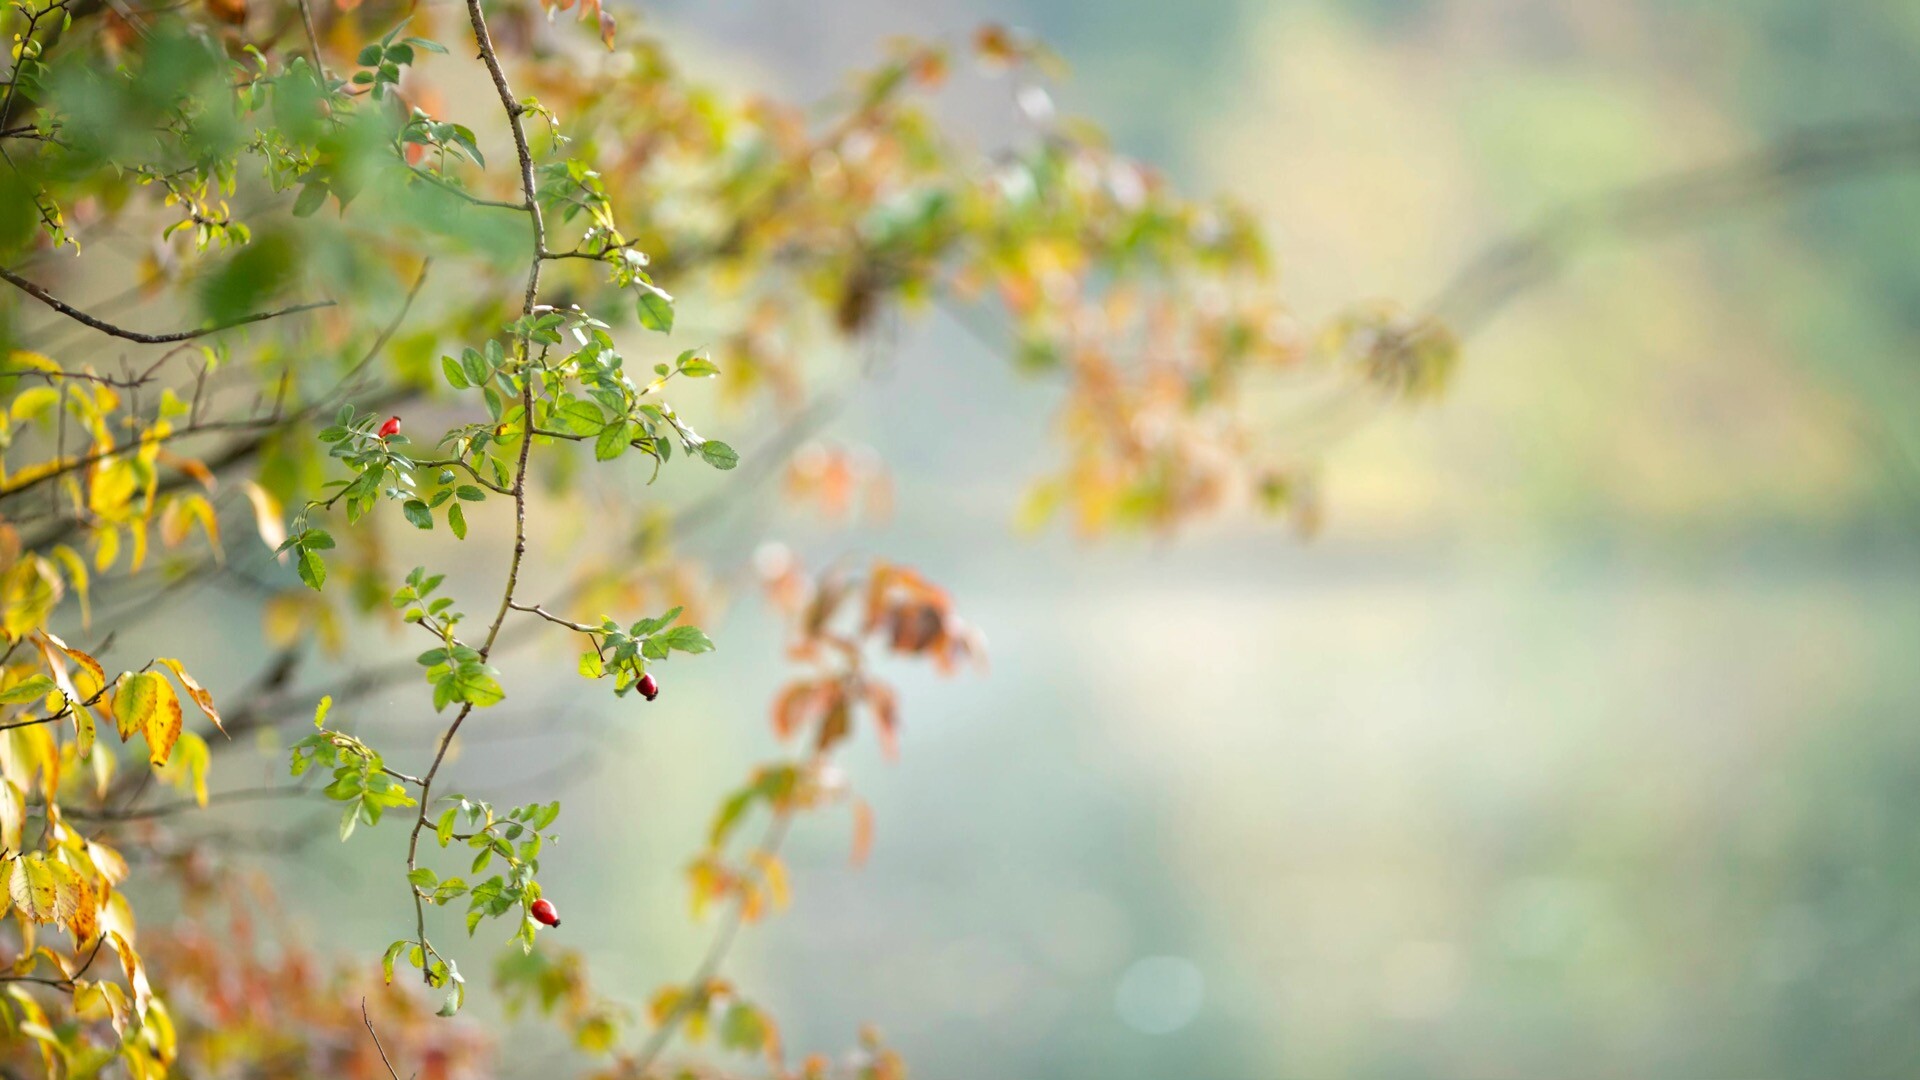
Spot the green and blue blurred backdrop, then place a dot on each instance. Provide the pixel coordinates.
(1584, 740)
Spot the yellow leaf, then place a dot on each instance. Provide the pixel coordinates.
(136, 699)
(159, 1028)
(32, 402)
(13, 815)
(773, 876)
(106, 547)
(137, 528)
(111, 864)
(91, 678)
(113, 488)
(195, 691)
(165, 723)
(136, 972)
(75, 902)
(32, 360)
(267, 516)
(28, 592)
(84, 920)
(33, 887)
(118, 1007)
(193, 467)
(189, 766)
(104, 766)
(76, 569)
(83, 719)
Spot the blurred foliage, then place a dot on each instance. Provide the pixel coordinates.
(381, 287)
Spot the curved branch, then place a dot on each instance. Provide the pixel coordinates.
(529, 189)
(1511, 266)
(717, 951)
(105, 327)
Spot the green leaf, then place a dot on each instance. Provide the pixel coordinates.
(424, 877)
(393, 953)
(463, 138)
(473, 683)
(653, 625)
(579, 418)
(611, 443)
(457, 521)
(687, 639)
(718, 454)
(474, 366)
(456, 992)
(698, 367)
(417, 513)
(313, 195)
(456, 378)
(35, 686)
(443, 829)
(656, 308)
(744, 1029)
(469, 493)
(312, 570)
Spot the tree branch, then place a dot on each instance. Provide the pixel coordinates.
(369, 1022)
(105, 327)
(530, 191)
(717, 950)
(1509, 267)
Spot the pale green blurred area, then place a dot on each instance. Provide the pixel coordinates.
(1585, 741)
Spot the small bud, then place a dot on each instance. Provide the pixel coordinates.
(649, 688)
(544, 912)
(390, 428)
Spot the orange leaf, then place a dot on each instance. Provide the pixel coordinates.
(195, 691)
(862, 831)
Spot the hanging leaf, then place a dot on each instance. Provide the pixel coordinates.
(136, 698)
(33, 887)
(194, 690)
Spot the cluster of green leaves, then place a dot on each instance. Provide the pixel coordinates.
(772, 785)
(442, 973)
(514, 840)
(609, 410)
(570, 187)
(457, 671)
(623, 653)
(360, 778)
(381, 63)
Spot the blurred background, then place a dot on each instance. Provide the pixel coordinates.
(1584, 739)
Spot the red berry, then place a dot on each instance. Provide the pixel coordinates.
(544, 913)
(648, 687)
(391, 427)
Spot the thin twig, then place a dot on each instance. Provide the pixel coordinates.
(313, 43)
(105, 327)
(717, 950)
(530, 191)
(183, 806)
(369, 1022)
(1509, 267)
